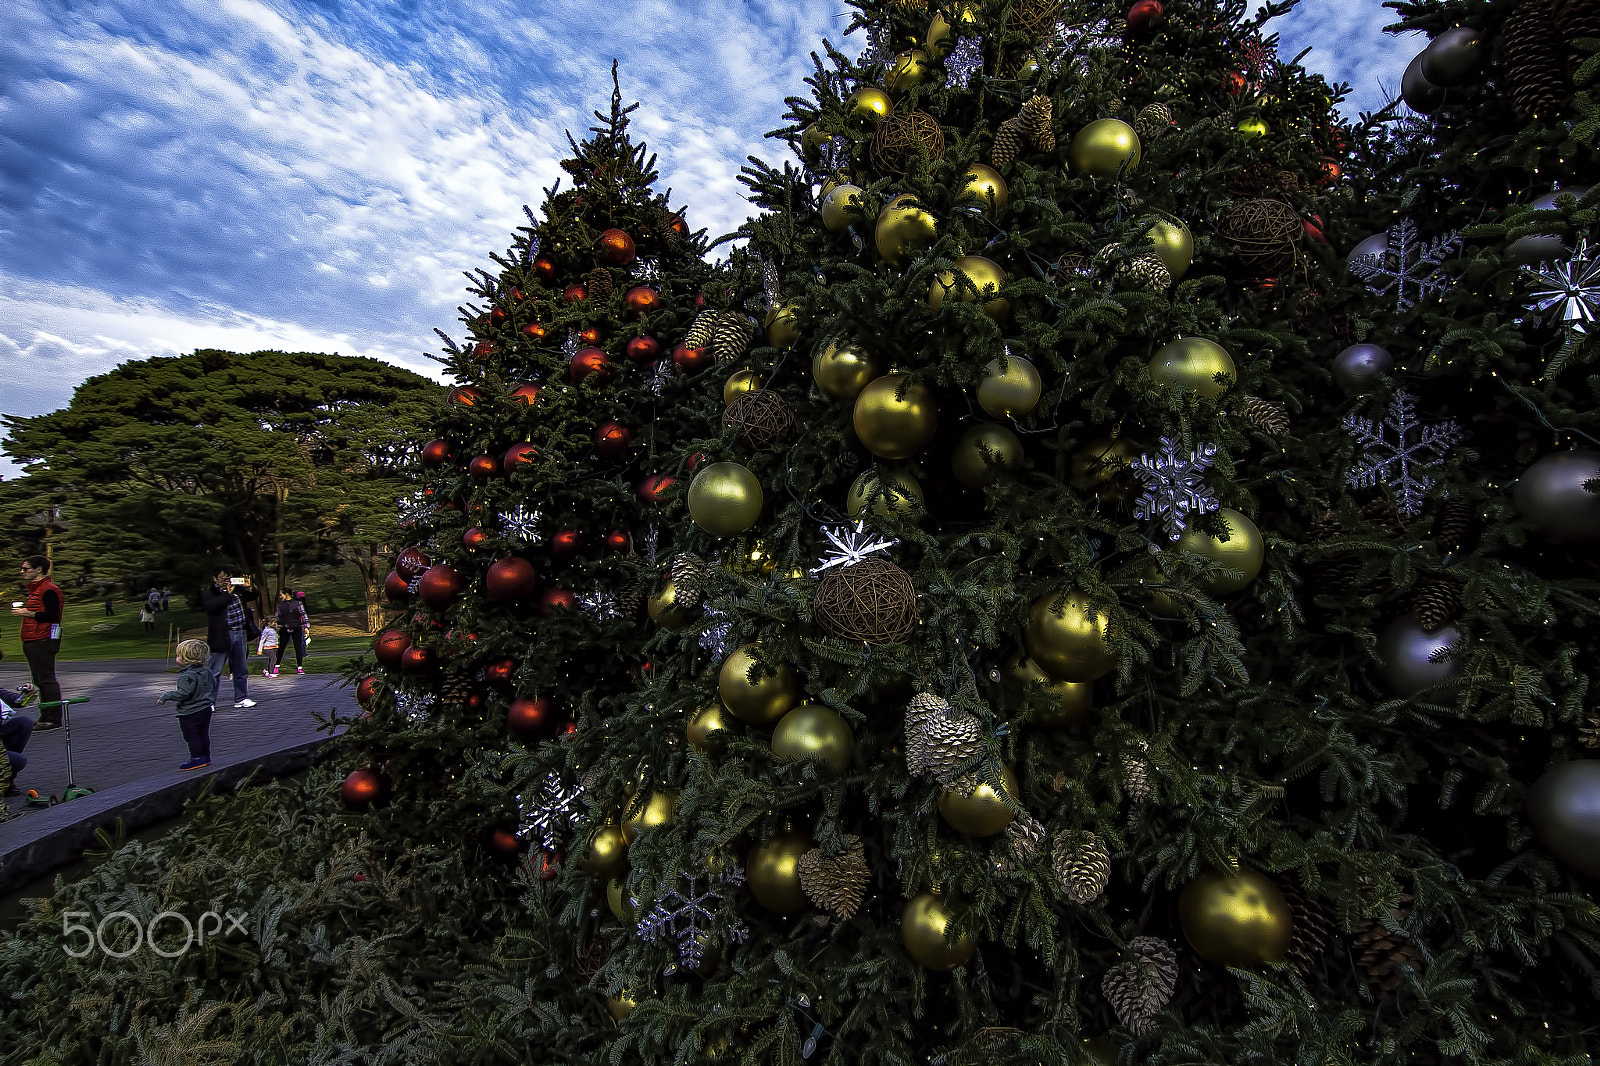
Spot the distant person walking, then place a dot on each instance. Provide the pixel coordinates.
(40, 630)
(193, 696)
(153, 600)
(147, 618)
(229, 626)
(108, 606)
(267, 648)
(165, 592)
(294, 628)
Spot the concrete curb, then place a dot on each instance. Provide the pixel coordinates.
(59, 835)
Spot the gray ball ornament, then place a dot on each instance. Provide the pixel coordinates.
(1420, 94)
(1375, 246)
(1406, 651)
(1539, 247)
(1564, 807)
(1452, 57)
(1551, 495)
(1358, 367)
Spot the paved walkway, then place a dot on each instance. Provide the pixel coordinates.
(127, 748)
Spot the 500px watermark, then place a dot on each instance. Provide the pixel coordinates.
(144, 935)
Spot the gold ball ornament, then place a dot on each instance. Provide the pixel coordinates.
(842, 371)
(763, 701)
(1103, 147)
(709, 729)
(812, 142)
(1065, 640)
(669, 610)
(623, 906)
(1010, 387)
(1157, 601)
(922, 930)
(1193, 363)
(1244, 550)
(885, 493)
(908, 70)
(1252, 128)
(606, 855)
(739, 383)
(895, 423)
(812, 731)
(940, 41)
(841, 208)
(903, 228)
(1101, 467)
(724, 499)
(869, 105)
(620, 1005)
(984, 187)
(773, 872)
(783, 326)
(1069, 701)
(984, 454)
(1174, 245)
(1240, 921)
(982, 812)
(985, 276)
(657, 810)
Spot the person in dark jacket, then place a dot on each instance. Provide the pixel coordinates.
(40, 630)
(293, 629)
(193, 695)
(228, 619)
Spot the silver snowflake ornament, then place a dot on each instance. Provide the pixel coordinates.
(769, 282)
(660, 374)
(965, 61)
(688, 917)
(414, 586)
(1409, 267)
(714, 637)
(1571, 289)
(850, 546)
(521, 524)
(600, 603)
(413, 707)
(570, 348)
(650, 540)
(550, 811)
(1398, 462)
(414, 508)
(1174, 486)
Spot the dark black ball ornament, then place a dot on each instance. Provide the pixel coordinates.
(1420, 94)
(1564, 806)
(1453, 56)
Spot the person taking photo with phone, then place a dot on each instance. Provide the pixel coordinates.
(230, 627)
(40, 630)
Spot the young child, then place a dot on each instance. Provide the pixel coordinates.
(193, 696)
(15, 729)
(268, 646)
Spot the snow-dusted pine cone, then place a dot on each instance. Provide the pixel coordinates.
(1136, 771)
(730, 337)
(1146, 272)
(700, 330)
(939, 739)
(1270, 417)
(1027, 836)
(1142, 983)
(1007, 143)
(835, 884)
(1035, 118)
(1082, 865)
(1589, 731)
(688, 575)
(1153, 120)
(1435, 601)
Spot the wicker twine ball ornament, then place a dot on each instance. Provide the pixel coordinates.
(872, 601)
(1266, 233)
(1037, 17)
(902, 137)
(762, 416)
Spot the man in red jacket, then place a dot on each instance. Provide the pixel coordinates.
(40, 630)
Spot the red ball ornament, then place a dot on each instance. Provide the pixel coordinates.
(653, 487)
(483, 349)
(474, 539)
(516, 456)
(510, 578)
(435, 454)
(612, 438)
(548, 864)
(545, 268)
(417, 660)
(497, 316)
(483, 467)
(555, 599)
(361, 789)
(536, 331)
(692, 360)
(694, 461)
(678, 226)
(1145, 15)
(641, 299)
(440, 585)
(532, 720)
(464, 396)
(565, 543)
(411, 562)
(574, 293)
(475, 701)
(589, 334)
(618, 541)
(505, 842)
(390, 645)
(502, 673)
(616, 248)
(1329, 172)
(525, 392)
(1312, 230)
(367, 691)
(396, 589)
(588, 361)
(700, 301)
(1233, 83)
(644, 349)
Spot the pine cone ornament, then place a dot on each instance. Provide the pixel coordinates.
(1435, 601)
(730, 335)
(1385, 954)
(1082, 866)
(1589, 732)
(701, 329)
(1575, 19)
(1455, 523)
(1136, 772)
(1153, 120)
(688, 574)
(1314, 927)
(1030, 126)
(1026, 835)
(1007, 143)
(1269, 417)
(835, 884)
(599, 284)
(939, 739)
(1146, 272)
(456, 691)
(1534, 56)
(632, 594)
(1142, 983)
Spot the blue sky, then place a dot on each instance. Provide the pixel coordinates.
(304, 175)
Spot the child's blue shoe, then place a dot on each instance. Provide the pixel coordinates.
(194, 764)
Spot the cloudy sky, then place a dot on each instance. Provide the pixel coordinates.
(305, 175)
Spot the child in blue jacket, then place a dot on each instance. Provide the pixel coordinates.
(194, 693)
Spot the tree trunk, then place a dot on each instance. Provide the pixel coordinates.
(373, 573)
(281, 492)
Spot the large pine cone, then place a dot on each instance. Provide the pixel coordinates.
(939, 739)
(1385, 954)
(1313, 927)
(1082, 866)
(1142, 983)
(1535, 59)
(835, 884)
(1435, 601)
